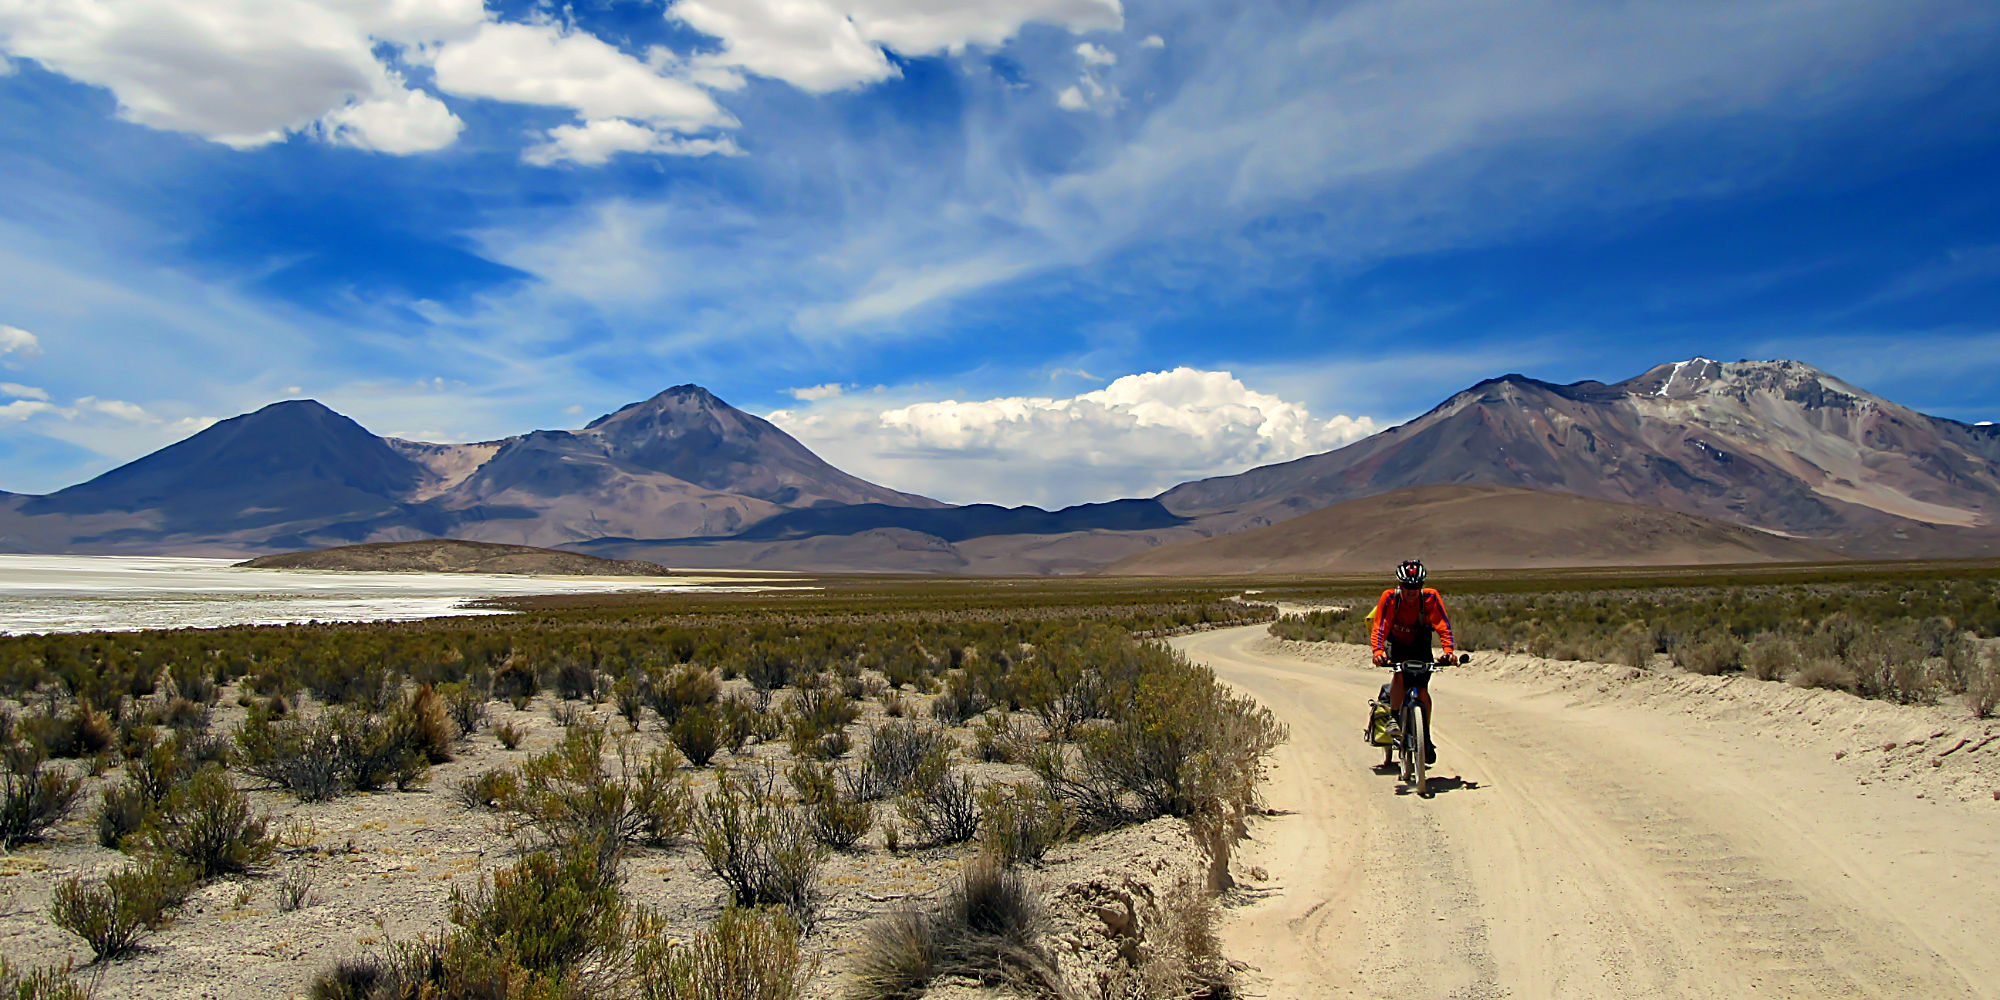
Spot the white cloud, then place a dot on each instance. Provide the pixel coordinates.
(409, 121)
(1071, 99)
(14, 340)
(551, 65)
(240, 72)
(595, 143)
(22, 409)
(812, 45)
(927, 27)
(1135, 437)
(1096, 55)
(827, 45)
(18, 391)
(116, 408)
(815, 393)
(1153, 42)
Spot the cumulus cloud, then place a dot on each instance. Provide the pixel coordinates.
(116, 408)
(551, 65)
(1135, 437)
(242, 72)
(18, 391)
(595, 143)
(14, 340)
(1072, 99)
(1096, 55)
(814, 46)
(828, 45)
(815, 393)
(409, 121)
(1153, 42)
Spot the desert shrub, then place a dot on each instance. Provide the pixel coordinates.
(1183, 957)
(430, 730)
(1022, 822)
(186, 715)
(942, 807)
(1710, 654)
(1982, 688)
(123, 812)
(350, 979)
(894, 706)
(113, 916)
(342, 749)
(509, 735)
(1824, 672)
(757, 843)
(488, 789)
(207, 825)
(81, 732)
(960, 701)
(670, 692)
(33, 795)
(1632, 645)
(39, 984)
(1770, 657)
(516, 680)
(698, 734)
(838, 814)
(747, 954)
(295, 888)
(302, 758)
(988, 927)
(575, 681)
(567, 714)
(548, 913)
(630, 700)
(1000, 739)
(1894, 665)
(897, 753)
(574, 801)
(816, 720)
(465, 705)
(1179, 744)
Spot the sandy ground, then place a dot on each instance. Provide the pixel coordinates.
(383, 867)
(1606, 832)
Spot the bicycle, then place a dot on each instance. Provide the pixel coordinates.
(1410, 743)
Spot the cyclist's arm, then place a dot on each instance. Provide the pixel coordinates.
(1441, 623)
(1379, 635)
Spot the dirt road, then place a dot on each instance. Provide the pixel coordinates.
(1592, 850)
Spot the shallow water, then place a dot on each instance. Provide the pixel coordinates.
(54, 593)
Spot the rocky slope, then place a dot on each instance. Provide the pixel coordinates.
(1775, 445)
(298, 475)
(1472, 527)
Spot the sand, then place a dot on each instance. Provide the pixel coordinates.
(1605, 832)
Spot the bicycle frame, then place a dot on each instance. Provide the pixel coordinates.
(1416, 680)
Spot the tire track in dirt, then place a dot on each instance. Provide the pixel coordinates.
(1606, 851)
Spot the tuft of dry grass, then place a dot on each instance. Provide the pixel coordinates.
(988, 927)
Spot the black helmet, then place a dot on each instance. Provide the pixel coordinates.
(1410, 573)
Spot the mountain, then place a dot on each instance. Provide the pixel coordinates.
(1774, 445)
(298, 475)
(1472, 527)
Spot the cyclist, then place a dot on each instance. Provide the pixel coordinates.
(1404, 619)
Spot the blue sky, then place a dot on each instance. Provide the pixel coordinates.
(1039, 251)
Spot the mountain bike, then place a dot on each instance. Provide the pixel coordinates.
(1410, 744)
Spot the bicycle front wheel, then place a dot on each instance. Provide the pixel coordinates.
(1419, 749)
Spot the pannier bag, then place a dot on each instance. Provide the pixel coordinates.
(1378, 722)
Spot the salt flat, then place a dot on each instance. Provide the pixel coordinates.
(66, 593)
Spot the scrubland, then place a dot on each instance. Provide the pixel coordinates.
(1909, 636)
(866, 791)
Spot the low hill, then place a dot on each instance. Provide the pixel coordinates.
(450, 556)
(1472, 527)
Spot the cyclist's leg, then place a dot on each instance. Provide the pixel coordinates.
(1430, 746)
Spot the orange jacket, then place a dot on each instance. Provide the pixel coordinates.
(1405, 618)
